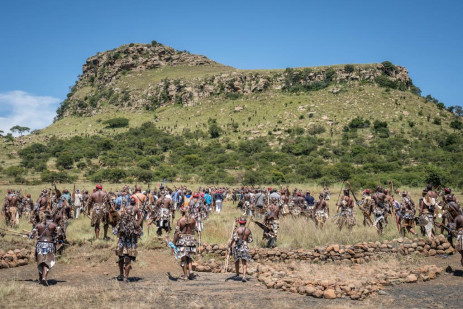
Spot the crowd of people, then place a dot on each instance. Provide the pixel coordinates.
(128, 209)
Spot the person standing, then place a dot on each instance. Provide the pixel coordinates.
(185, 241)
(98, 206)
(218, 198)
(46, 233)
(128, 229)
(77, 203)
(242, 236)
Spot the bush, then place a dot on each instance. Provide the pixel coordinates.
(116, 175)
(233, 95)
(143, 175)
(388, 67)
(65, 160)
(116, 123)
(349, 68)
(316, 129)
(359, 123)
(436, 176)
(214, 130)
(384, 81)
(61, 177)
(456, 124)
(379, 124)
(14, 171)
(437, 121)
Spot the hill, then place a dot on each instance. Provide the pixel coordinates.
(262, 126)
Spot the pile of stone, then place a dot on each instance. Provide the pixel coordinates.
(15, 258)
(358, 253)
(279, 277)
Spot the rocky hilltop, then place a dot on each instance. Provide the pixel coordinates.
(104, 68)
(111, 79)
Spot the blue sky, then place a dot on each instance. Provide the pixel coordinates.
(43, 44)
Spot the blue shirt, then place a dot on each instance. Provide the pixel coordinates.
(118, 202)
(175, 196)
(310, 200)
(67, 196)
(208, 198)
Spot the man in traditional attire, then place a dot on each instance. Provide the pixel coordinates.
(242, 236)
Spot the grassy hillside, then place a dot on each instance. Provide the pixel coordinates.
(191, 119)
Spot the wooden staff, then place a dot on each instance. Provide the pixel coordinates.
(227, 259)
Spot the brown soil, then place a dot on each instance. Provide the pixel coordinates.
(89, 280)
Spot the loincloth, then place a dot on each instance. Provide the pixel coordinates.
(45, 255)
(127, 246)
(407, 220)
(428, 218)
(346, 217)
(240, 250)
(99, 215)
(321, 215)
(186, 245)
(274, 225)
(379, 215)
(163, 218)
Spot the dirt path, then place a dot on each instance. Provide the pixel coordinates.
(154, 283)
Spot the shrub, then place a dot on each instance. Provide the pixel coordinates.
(388, 67)
(65, 160)
(61, 177)
(456, 124)
(437, 121)
(116, 123)
(358, 123)
(349, 68)
(316, 129)
(15, 171)
(214, 130)
(384, 81)
(233, 95)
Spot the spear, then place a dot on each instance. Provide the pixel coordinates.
(227, 259)
(339, 196)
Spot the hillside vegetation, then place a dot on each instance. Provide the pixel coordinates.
(148, 112)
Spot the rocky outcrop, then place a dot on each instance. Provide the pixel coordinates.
(101, 73)
(103, 68)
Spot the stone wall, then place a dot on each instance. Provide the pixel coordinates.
(15, 258)
(358, 253)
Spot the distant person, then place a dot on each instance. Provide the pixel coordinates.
(218, 198)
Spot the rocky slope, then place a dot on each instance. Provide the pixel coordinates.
(112, 79)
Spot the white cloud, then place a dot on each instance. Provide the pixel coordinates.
(23, 109)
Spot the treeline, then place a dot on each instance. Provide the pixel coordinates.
(147, 154)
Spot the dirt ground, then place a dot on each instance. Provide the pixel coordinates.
(84, 279)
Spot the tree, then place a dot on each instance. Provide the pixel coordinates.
(214, 129)
(19, 129)
(116, 123)
(1, 133)
(458, 110)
